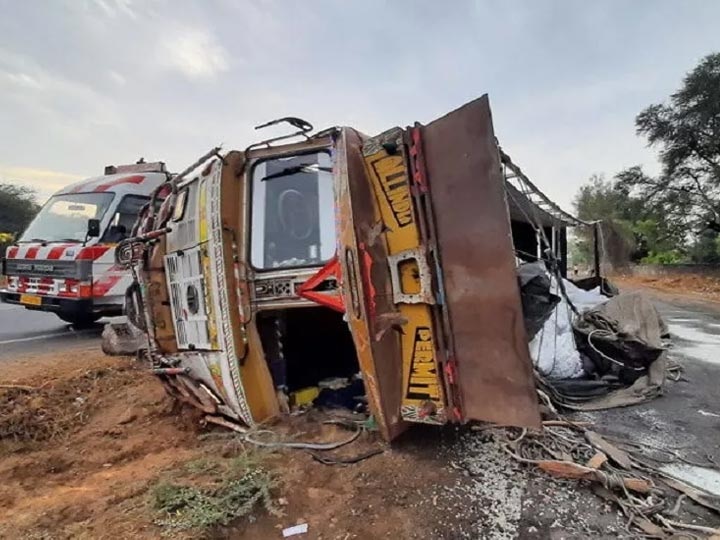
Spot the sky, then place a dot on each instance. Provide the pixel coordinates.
(87, 83)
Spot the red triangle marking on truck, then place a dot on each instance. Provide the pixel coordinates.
(331, 300)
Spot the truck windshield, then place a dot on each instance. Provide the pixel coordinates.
(65, 217)
(293, 213)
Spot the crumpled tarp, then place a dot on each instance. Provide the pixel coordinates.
(622, 336)
(537, 300)
(606, 353)
(623, 339)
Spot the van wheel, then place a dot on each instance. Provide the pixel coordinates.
(79, 320)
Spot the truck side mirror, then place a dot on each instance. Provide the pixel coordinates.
(93, 230)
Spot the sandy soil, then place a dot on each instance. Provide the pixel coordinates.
(85, 438)
(702, 288)
(76, 481)
(90, 477)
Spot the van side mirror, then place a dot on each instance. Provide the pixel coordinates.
(93, 229)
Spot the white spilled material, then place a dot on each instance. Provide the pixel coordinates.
(295, 530)
(701, 477)
(581, 299)
(553, 348)
(695, 343)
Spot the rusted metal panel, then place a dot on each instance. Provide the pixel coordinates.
(495, 375)
(367, 287)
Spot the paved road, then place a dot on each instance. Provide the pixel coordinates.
(686, 418)
(25, 332)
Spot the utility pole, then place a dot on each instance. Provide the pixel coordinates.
(596, 247)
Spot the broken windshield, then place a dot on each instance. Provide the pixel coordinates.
(64, 218)
(293, 216)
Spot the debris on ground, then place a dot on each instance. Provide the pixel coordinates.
(103, 476)
(631, 475)
(295, 530)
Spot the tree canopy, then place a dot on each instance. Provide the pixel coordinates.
(17, 208)
(676, 214)
(686, 131)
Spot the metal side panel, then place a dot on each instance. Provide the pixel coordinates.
(401, 263)
(495, 375)
(366, 286)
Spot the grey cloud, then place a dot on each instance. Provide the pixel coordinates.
(85, 83)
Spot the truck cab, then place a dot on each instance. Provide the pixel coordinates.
(384, 262)
(64, 262)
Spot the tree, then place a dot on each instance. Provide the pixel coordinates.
(631, 229)
(608, 202)
(17, 208)
(686, 131)
(706, 248)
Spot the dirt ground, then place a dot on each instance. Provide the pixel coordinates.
(86, 439)
(690, 286)
(91, 477)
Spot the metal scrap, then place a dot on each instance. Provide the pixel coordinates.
(613, 452)
(622, 471)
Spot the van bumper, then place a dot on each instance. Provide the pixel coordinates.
(69, 306)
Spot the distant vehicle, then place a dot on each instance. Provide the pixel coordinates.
(64, 262)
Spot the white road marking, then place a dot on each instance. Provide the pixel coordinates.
(46, 336)
(8, 307)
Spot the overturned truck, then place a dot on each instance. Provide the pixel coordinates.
(387, 261)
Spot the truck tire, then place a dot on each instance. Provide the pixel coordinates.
(80, 320)
(134, 308)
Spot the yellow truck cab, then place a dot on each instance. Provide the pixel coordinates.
(385, 261)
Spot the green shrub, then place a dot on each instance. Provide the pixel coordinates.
(221, 491)
(672, 256)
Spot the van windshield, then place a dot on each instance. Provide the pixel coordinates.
(293, 212)
(64, 218)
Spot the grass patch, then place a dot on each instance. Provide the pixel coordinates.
(210, 492)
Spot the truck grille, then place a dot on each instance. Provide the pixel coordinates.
(47, 268)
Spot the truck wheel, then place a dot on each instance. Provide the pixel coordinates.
(80, 320)
(134, 309)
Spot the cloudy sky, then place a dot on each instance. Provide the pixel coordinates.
(85, 83)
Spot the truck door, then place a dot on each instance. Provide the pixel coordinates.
(366, 286)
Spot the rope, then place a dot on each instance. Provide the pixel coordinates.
(247, 437)
(605, 356)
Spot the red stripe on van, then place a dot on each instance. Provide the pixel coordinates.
(56, 252)
(32, 252)
(91, 253)
(135, 179)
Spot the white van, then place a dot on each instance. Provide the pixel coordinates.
(64, 262)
